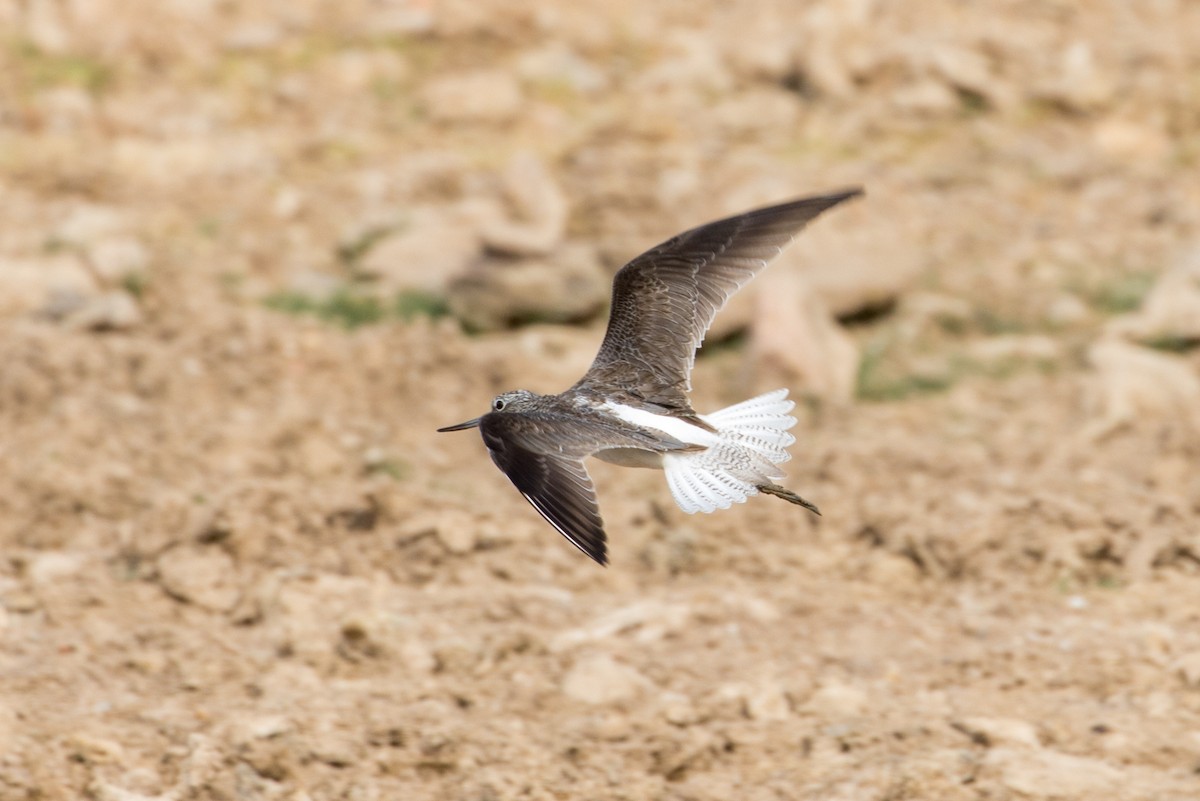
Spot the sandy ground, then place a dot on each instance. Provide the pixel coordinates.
(239, 563)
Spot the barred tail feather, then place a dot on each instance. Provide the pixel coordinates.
(753, 441)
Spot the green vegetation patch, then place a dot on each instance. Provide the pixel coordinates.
(350, 308)
(1122, 294)
(44, 70)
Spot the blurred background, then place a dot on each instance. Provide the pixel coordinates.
(253, 254)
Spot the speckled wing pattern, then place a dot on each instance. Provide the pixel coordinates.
(664, 300)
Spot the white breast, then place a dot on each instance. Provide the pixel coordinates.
(681, 430)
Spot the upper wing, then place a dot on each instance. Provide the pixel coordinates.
(558, 486)
(664, 300)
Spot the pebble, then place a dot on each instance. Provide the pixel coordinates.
(767, 701)
(968, 69)
(856, 263)
(651, 620)
(116, 257)
(538, 207)
(1171, 309)
(1188, 668)
(96, 750)
(1079, 85)
(110, 311)
(431, 247)
(1135, 383)
(50, 567)
(557, 63)
(456, 530)
(491, 96)
(678, 709)
(795, 333)
(204, 576)
(1002, 731)
(600, 679)
(1015, 346)
(1050, 774)
(1067, 310)
(498, 293)
(835, 701)
(28, 285)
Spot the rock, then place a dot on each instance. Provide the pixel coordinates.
(259, 727)
(925, 96)
(772, 56)
(855, 265)
(539, 210)
(51, 567)
(968, 70)
(794, 333)
(946, 310)
(1050, 774)
(490, 96)
(331, 744)
(832, 38)
(366, 633)
(28, 285)
(254, 36)
(423, 253)
(1081, 85)
(755, 111)
(456, 530)
(65, 109)
(1188, 668)
(1131, 140)
(44, 26)
(458, 538)
(111, 311)
(96, 750)
(1067, 311)
(1135, 383)
(398, 18)
(1001, 731)
(498, 293)
(1170, 312)
(648, 620)
(558, 64)
(204, 576)
(600, 679)
(691, 64)
(1015, 346)
(678, 709)
(89, 223)
(767, 700)
(835, 701)
(116, 257)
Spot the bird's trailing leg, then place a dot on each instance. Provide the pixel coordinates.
(789, 496)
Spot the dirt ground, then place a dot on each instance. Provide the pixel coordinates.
(239, 563)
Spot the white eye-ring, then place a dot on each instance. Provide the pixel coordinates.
(498, 404)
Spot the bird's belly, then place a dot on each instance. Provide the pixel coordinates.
(631, 457)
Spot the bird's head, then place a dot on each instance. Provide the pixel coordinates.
(517, 400)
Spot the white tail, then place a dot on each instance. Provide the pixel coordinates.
(753, 441)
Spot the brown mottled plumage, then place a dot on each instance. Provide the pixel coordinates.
(622, 409)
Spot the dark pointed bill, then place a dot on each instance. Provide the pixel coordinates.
(462, 426)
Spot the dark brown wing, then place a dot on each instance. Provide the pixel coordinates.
(664, 300)
(558, 486)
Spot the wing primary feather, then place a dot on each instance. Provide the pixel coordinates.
(664, 300)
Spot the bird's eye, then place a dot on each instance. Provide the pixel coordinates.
(498, 404)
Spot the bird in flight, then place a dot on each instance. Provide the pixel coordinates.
(631, 407)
